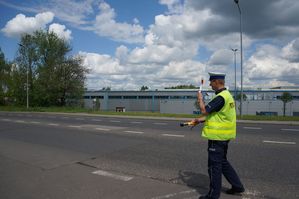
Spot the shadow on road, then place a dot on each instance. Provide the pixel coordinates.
(200, 183)
(197, 181)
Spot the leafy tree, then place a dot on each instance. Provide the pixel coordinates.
(285, 98)
(54, 77)
(72, 80)
(52, 52)
(106, 89)
(5, 81)
(143, 88)
(182, 87)
(25, 68)
(238, 98)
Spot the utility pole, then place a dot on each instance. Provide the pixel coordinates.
(27, 86)
(241, 56)
(235, 51)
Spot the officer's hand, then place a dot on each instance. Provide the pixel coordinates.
(195, 122)
(199, 96)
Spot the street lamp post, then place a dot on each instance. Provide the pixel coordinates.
(27, 88)
(241, 56)
(235, 51)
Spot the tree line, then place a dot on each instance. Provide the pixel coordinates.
(44, 71)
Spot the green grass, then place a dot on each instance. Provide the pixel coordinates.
(144, 114)
(269, 118)
(43, 109)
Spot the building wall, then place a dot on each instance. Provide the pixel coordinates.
(177, 106)
(258, 106)
(182, 101)
(133, 104)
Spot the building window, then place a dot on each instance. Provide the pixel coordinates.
(161, 97)
(295, 97)
(295, 113)
(145, 97)
(177, 97)
(130, 97)
(191, 97)
(99, 97)
(114, 97)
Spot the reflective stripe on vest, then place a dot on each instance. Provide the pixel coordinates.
(221, 125)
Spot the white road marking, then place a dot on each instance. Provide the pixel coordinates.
(136, 122)
(114, 121)
(74, 126)
(6, 120)
(96, 120)
(80, 118)
(171, 195)
(158, 123)
(278, 142)
(34, 122)
(65, 118)
(112, 175)
(254, 128)
(173, 135)
(250, 193)
(290, 129)
(135, 132)
(103, 129)
(53, 124)
(20, 121)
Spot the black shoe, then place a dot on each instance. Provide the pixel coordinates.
(233, 191)
(203, 197)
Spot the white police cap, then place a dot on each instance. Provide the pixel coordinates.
(216, 75)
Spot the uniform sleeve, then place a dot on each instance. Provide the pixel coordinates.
(215, 105)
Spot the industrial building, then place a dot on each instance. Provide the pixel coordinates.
(182, 101)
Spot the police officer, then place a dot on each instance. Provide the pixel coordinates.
(219, 117)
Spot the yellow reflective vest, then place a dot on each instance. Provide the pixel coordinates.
(221, 125)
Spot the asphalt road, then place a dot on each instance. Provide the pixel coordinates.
(59, 156)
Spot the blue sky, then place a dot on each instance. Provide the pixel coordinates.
(162, 43)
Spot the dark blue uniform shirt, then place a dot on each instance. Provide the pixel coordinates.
(216, 104)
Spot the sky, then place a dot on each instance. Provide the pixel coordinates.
(162, 43)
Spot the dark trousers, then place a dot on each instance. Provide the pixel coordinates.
(218, 165)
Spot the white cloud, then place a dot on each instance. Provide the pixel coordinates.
(221, 57)
(291, 51)
(159, 54)
(166, 57)
(187, 70)
(105, 25)
(61, 31)
(74, 12)
(122, 53)
(22, 24)
(107, 71)
(101, 64)
(268, 66)
(174, 6)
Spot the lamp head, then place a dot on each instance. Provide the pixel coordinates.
(236, 1)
